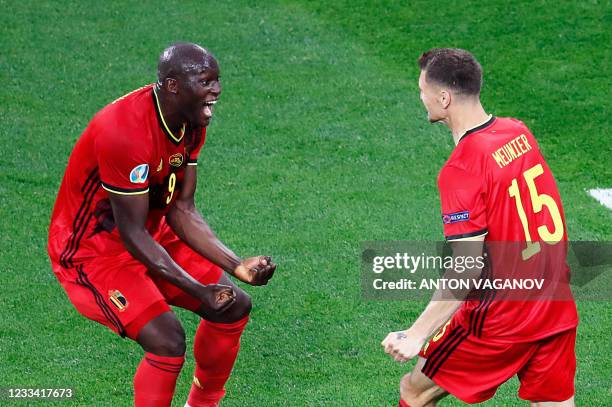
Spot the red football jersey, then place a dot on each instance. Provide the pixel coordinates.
(127, 148)
(496, 183)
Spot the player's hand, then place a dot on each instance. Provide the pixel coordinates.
(403, 345)
(255, 270)
(217, 297)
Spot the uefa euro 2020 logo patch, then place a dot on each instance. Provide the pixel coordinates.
(462, 216)
(139, 174)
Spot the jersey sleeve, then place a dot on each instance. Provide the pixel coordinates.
(462, 198)
(123, 163)
(195, 152)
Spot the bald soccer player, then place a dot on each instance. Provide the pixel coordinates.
(126, 240)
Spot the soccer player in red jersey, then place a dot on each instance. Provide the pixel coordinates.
(495, 187)
(126, 239)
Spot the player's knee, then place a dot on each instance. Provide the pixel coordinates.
(241, 308)
(244, 305)
(172, 343)
(163, 336)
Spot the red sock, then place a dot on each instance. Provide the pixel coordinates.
(402, 403)
(215, 349)
(155, 380)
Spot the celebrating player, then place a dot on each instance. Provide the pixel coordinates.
(126, 239)
(495, 187)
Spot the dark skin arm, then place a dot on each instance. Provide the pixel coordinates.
(189, 225)
(130, 213)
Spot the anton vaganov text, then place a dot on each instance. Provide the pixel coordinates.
(460, 284)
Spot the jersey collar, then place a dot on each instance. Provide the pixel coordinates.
(476, 129)
(162, 123)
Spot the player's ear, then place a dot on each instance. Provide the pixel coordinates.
(444, 99)
(171, 85)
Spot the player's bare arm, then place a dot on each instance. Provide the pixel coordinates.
(405, 345)
(130, 213)
(188, 223)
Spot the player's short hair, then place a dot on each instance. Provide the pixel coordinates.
(453, 67)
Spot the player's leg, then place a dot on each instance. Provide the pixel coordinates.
(465, 366)
(163, 341)
(163, 336)
(418, 390)
(238, 311)
(215, 348)
(117, 292)
(217, 339)
(547, 379)
(157, 330)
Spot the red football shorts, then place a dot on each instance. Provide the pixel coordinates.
(119, 293)
(472, 369)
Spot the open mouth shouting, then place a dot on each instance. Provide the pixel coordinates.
(207, 110)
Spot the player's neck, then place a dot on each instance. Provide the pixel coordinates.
(464, 118)
(174, 120)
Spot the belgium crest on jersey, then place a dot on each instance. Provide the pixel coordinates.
(118, 300)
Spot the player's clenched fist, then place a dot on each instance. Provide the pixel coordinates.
(255, 270)
(403, 345)
(217, 297)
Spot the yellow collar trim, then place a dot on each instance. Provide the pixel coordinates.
(161, 115)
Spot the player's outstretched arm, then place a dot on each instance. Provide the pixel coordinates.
(189, 225)
(130, 213)
(404, 345)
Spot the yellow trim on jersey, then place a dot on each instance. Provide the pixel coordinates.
(192, 163)
(178, 140)
(125, 193)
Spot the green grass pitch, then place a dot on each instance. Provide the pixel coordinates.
(319, 143)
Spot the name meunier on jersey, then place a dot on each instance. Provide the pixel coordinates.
(511, 151)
